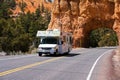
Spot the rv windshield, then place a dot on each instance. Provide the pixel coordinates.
(49, 40)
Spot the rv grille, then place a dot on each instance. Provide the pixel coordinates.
(46, 48)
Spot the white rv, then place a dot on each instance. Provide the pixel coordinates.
(54, 42)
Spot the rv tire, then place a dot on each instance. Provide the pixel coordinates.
(40, 54)
(56, 52)
(68, 51)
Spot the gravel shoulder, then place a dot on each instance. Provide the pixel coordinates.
(116, 64)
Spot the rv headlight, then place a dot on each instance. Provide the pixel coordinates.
(40, 48)
(55, 48)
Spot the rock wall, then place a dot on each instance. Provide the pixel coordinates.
(80, 17)
(116, 16)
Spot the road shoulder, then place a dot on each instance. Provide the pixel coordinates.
(105, 68)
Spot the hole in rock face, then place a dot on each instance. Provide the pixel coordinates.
(50, 1)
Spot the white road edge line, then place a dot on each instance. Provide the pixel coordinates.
(91, 70)
(17, 57)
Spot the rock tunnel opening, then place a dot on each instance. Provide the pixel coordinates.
(101, 37)
(51, 1)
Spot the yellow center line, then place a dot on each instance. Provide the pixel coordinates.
(27, 66)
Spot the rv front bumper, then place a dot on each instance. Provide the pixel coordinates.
(46, 50)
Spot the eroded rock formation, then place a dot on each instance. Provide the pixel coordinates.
(82, 16)
(117, 18)
(30, 5)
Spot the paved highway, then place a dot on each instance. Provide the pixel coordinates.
(80, 64)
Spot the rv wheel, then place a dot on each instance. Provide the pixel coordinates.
(56, 52)
(40, 54)
(68, 51)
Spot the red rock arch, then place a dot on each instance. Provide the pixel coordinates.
(82, 16)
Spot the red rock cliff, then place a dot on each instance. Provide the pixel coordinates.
(31, 5)
(117, 18)
(82, 16)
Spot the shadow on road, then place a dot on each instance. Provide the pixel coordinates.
(62, 55)
(71, 55)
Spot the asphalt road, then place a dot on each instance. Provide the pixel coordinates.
(80, 64)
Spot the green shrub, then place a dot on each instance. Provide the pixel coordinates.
(103, 37)
(17, 35)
